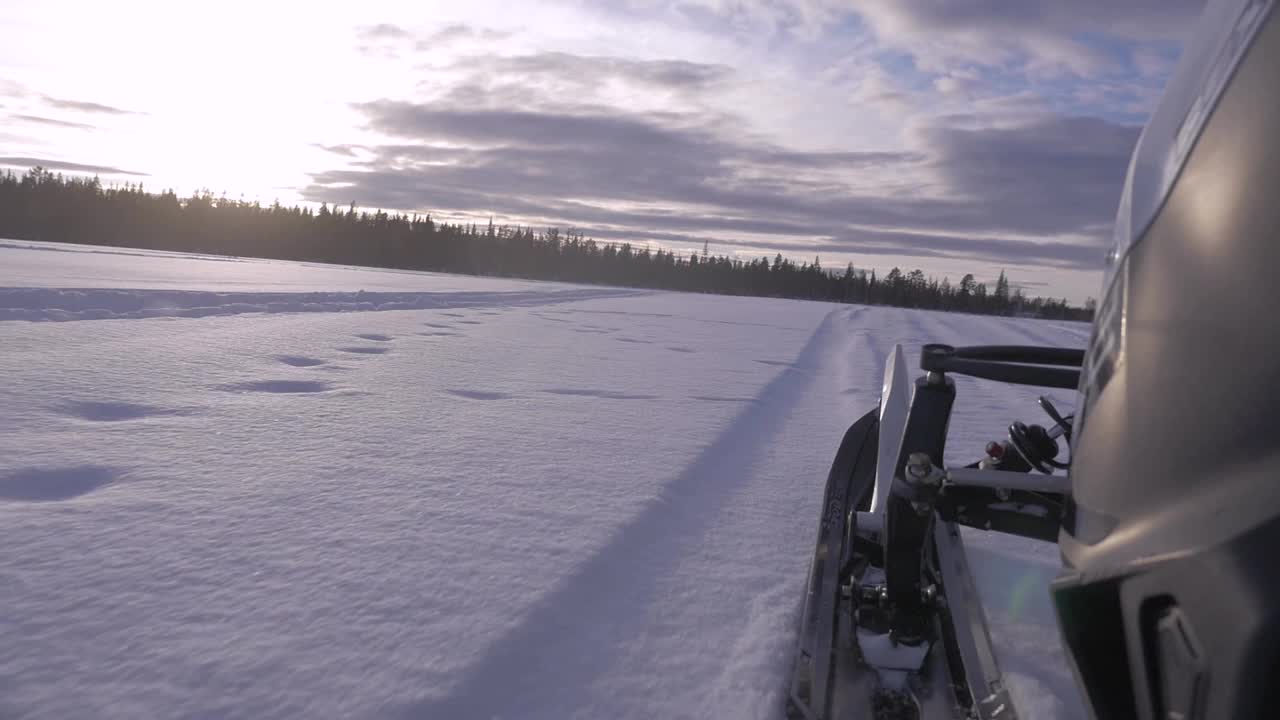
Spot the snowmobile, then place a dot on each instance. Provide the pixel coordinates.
(1167, 513)
(892, 627)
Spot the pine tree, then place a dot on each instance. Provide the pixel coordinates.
(1002, 294)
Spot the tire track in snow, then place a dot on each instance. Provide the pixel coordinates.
(547, 665)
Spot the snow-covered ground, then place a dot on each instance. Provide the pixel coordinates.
(249, 489)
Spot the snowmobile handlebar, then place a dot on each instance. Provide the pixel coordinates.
(1017, 364)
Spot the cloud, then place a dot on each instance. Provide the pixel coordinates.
(17, 139)
(910, 57)
(1047, 35)
(30, 162)
(570, 82)
(529, 128)
(382, 40)
(1153, 63)
(964, 190)
(1069, 167)
(51, 122)
(802, 18)
(390, 41)
(343, 150)
(87, 107)
(938, 34)
(382, 31)
(12, 88)
(984, 32)
(591, 70)
(838, 160)
(460, 32)
(895, 244)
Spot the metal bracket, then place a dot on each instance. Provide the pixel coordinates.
(999, 479)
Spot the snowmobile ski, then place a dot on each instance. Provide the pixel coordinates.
(892, 627)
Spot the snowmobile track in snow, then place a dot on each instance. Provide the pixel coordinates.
(578, 631)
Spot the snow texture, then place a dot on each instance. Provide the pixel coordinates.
(248, 489)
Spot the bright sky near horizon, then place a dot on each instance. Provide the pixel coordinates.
(959, 136)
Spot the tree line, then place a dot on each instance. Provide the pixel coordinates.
(41, 205)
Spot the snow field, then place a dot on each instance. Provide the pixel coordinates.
(507, 499)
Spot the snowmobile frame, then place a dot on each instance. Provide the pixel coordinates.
(892, 627)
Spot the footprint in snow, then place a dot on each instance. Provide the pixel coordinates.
(299, 360)
(365, 350)
(722, 399)
(480, 394)
(438, 333)
(677, 348)
(112, 411)
(278, 386)
(471, 322)
(442, 326)
(781, 363)
(52, 484)
(376, 337)
(634, 340)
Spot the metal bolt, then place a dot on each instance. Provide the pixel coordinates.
(929, 594)
(919, 465)
(1003, 494)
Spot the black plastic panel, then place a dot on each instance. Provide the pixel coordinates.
(1017, 364)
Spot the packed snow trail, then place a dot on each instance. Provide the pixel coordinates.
(524, 501)
(593, 638)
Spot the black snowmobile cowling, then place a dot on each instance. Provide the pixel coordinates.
(1170, 603)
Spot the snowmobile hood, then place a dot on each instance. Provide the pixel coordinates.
(1226, 29)
(1167, 602)
(1212, 54)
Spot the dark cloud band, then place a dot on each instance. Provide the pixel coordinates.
(30, 162)
(1048, 176)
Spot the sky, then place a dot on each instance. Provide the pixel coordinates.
(954, 136)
